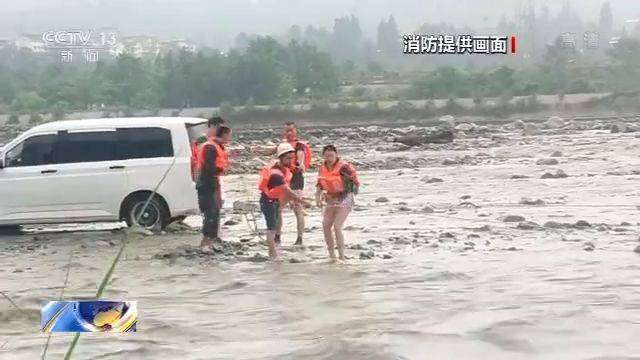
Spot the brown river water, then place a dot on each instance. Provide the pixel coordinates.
(456, 283)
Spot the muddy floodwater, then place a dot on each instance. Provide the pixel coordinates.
(482, 259)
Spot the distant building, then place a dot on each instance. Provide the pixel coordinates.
(30, 42)
(180, 45)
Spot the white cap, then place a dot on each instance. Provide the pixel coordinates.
(284, 148)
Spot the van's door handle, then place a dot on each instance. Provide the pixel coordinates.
(50, 171)
(113, 167)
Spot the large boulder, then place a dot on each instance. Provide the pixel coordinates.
(436, 137)
(530, 130)
(555, 122)
(448, 121)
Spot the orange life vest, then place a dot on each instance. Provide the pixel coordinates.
(194, 160)
(307, 153)
(265, 175)
(331, 180)
(222, 158)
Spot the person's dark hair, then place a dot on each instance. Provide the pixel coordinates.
(329, 148)
(290, 123)
(215, 121)
(222, 130)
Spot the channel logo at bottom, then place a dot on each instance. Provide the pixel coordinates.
(89, 316)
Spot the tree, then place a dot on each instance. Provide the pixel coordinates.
(30, 101)
(7, 89)
(346, 40)
(311, 69)
(606, 22)
(388, 37)
(14, 119)
(257, 73)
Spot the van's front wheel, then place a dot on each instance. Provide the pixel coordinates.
(154, 217)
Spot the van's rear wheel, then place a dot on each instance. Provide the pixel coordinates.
(154, 217)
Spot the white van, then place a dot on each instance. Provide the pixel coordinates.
(100, 170)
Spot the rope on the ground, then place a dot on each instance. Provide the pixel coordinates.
(107, 276)
(64, 286)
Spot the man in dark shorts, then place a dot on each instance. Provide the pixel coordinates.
(275, 190)
(212, 163)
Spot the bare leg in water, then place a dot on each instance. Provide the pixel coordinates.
(298, 210)
(327, 228)
(341, 217)
(271, 243)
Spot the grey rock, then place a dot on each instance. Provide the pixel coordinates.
(231, 222)
(434, 180)
(589, 246)
(558, 175)
(428, 209)
(556, 154)
(465, 127)
(553, 225)
(382, 200)
(450, 162)
(547, 162)
(637, 249)
(374, 242)
(580, 224)
(519, 177)
(258, 258)
(483, 228)
(367, 255)
(387, 256)
(519, 124)
(555, 122)
(513, 218)
(528, 225)
(530, 130)
(527, 201)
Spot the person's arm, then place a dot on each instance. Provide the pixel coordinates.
(209, 169)
(301, 160)
(319, 196)
(294, 196)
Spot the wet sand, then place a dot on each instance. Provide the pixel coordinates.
(442, 270)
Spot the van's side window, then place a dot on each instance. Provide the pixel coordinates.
(144, 143)
(36, 150)
(76, 147)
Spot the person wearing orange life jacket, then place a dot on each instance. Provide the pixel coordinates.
(302, 162)
(337, 184)
(274, 191)
(212, 125)
(303, 159)
(212, 164)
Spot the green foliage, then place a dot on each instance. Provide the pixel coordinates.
(35, 119)
(58, 113)
(30, 101)
(14, 119)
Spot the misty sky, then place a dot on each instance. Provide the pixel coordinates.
(216, 22)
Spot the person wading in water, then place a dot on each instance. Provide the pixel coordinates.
(337, 184)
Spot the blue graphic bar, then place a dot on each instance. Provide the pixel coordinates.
(89, 316)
